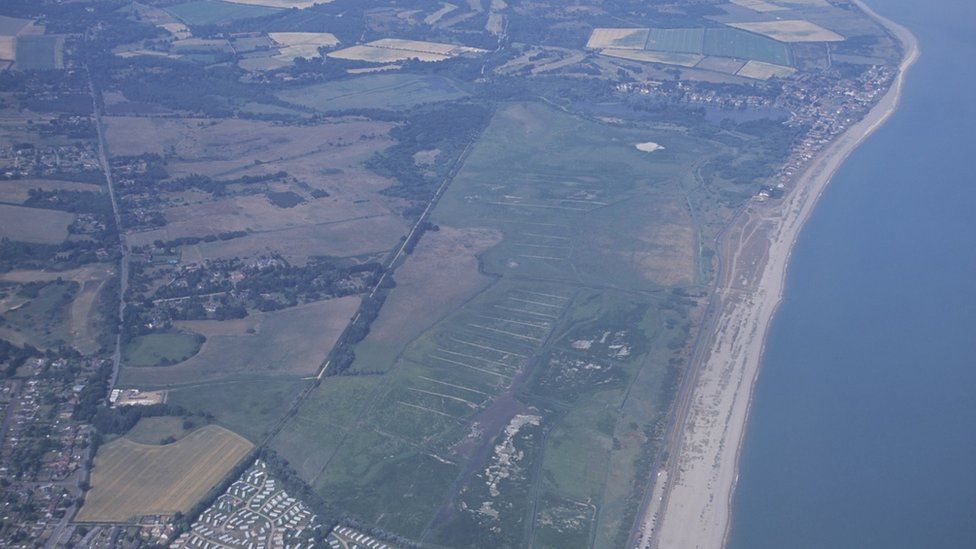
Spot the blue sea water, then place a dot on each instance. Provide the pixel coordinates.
(863, 426)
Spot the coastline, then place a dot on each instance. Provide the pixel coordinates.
(692, 499)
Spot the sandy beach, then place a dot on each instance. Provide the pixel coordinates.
(690, 506)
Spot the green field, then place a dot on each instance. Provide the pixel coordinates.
(554, 373)
(676, 40)
(727, 42)
(39, 52)
(379, 91)
(160, 349)
(721, 42)
(248, 408)
(157, 430)
(290, 343)
(44, 319)
(214, 12)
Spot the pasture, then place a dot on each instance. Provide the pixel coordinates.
(292, 342)
(130, 479)
(40, 226)
(247, 407)
(377, 91)
(153, 430)
(215, 12)
(160, 349)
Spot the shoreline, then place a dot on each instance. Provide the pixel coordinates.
(693, 508)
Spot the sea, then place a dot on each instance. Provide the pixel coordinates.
(862, 431)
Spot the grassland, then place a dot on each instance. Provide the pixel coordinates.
(44, 319)
(160, 349)
(34, 224)
(291, 342)
(353, 219)
(379, 91)
(509, 391)
(215, 12)
(155, 430)
(131, 479)
(248, 407)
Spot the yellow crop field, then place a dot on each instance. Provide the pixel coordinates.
(130, 479)
(793, 30)
(8, 47)
(284, 4)
(389, 50)
(422, 46)
(680, 59)
(757, 5)
(630, 39)
(302, 44)
(764, 71)
(382, 55)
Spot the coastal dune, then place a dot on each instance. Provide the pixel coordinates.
(691, 505)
